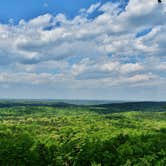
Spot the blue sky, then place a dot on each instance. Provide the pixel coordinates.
(19, 9)
(23, 9)
(83, 49)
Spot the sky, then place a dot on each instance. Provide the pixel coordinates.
(86, 49)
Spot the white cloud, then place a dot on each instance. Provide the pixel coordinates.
(30, 78)
(104, 48)
(93, 7)
(127, 68)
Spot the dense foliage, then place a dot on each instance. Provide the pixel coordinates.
(81, 136)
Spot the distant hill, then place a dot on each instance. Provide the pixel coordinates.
(51, 102)
(94, 105)
(15, 103)
(130, 106)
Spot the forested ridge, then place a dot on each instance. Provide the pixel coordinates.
(121, 134)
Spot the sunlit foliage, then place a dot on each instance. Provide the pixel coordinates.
(81, 136)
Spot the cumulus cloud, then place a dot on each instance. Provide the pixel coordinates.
(50, 48)
(91, 9)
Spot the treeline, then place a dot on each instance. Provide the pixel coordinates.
(27, 104)
(130, 106)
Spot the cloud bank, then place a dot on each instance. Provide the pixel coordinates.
(119, 47)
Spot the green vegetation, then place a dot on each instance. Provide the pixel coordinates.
(68, 135)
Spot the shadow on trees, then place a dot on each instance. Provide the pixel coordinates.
(21, 149)
(130, 106)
